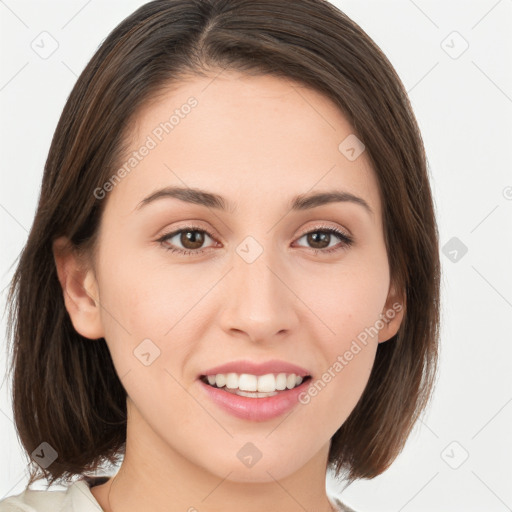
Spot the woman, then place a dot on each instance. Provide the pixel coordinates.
(232, 278)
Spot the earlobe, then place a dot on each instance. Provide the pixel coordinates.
(80, 290)
(392, 315)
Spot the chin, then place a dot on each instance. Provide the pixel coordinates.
(257, 467)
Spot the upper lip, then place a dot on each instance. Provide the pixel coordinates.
(255, 368)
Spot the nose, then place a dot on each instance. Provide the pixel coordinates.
(260, 303)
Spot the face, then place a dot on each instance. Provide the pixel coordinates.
(182, 288)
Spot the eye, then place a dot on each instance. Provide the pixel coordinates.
(192, 238)
(322, 236)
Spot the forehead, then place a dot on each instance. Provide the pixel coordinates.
(251, 139)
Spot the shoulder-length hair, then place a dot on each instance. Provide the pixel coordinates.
(65, 389)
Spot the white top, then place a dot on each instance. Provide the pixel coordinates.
(77, 498)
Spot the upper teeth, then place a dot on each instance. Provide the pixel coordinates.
(263, 383)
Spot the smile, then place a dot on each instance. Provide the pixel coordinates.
(254, 386)
(254, 397)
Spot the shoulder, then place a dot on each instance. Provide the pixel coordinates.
(340, 507)
(77, 497)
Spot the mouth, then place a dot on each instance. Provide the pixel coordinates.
(254, 386)
(255, 390)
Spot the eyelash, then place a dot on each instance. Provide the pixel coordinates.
(346, 241)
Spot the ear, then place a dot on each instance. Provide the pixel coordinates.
(80, 289)
(392, 314)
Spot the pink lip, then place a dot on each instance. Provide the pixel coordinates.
(255, 409)
(272, 366)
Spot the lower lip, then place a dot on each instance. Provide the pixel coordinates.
(256, 409)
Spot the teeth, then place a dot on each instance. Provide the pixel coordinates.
(248, 382)
(219, 380)
(249, 394)
(281, 381)
(266, 383)
(255, 384)
(231, 380)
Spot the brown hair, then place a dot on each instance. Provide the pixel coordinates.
(65, 389)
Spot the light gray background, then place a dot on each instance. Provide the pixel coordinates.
(463, 102)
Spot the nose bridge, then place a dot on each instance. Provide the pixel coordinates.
(255, 280)
(259, 302)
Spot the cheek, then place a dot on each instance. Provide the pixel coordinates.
(347, 302)
(146, 297)
(151, 309)
(348, 305)
(334, 393)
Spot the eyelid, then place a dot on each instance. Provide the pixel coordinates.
(190, 225)
(318, 227)
(212, 233)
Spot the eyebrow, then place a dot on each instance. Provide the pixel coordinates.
(299, 203)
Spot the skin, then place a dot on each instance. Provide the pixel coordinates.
(257, 141)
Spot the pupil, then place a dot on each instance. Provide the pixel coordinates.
(196, 238)
(313, 238)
